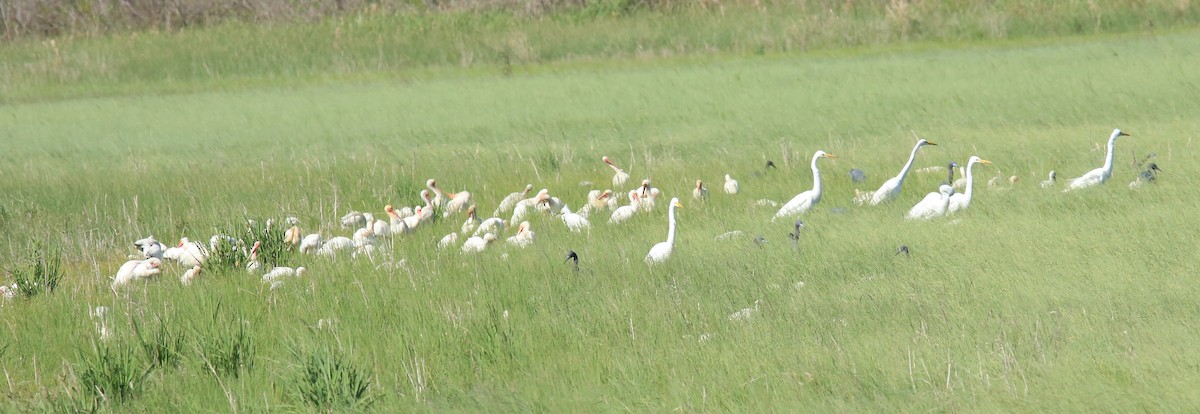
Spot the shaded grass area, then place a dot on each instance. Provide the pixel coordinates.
(1032, 301)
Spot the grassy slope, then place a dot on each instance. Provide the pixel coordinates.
(1035, 300)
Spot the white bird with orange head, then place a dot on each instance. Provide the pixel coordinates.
(137, 269)
(620, 177)
(806, 201)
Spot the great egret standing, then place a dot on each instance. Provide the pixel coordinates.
(891, 188)
(806, 201)
(1099, 175)
(662, 251)
(962, 201)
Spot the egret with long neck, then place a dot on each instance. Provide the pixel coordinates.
(1099, 175)
(891, 188)
(662, 251)
(806, 201)
(962, 201)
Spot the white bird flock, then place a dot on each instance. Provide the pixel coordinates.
(478, 235)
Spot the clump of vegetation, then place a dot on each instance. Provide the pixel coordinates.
(328, 379)
(41, 272)
(226, 344)
(111, 370)
(161, 345)
(234, 252)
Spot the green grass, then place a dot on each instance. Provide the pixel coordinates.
(1031, 300)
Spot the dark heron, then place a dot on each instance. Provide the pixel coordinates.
(903, 249)
(857, 175)
(571, 255)
(952, 166)
(1151, 172)
(770, 164)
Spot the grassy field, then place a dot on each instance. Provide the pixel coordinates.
(1031, 300)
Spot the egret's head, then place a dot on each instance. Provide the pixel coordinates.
(675, 202)
(1118, 133)
(925, 142)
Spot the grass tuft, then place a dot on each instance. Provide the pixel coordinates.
(112, 371)
(226, 344)
(41, 273)
(328, 379)
(162, 347)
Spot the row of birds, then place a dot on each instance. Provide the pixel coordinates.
(481, 233)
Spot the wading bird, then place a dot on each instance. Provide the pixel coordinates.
(620, 177)
(891, 188)
(962, 201)
(1147, 176)
(1099, 175)
(700, 193)
(934, 204)
(478, 244)
(806, 201)
(571, 255)
(662, 251)
(523, 238)
(731, 185)
(1050, 180)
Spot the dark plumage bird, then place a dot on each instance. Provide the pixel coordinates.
(857, 175)
(795, 234)
(903, 249)
(1147, 176)
(950, 180)
(571, 255)
(760, 240)
(770, 164)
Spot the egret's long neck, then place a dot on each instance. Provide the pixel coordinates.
(1108, 159)
(908, 165)
(671, 225)
(816, 178)
(970, 181)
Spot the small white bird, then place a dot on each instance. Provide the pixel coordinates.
(621, 177)
(192, 253)
(478, 244)
(8, 291)
(310, 243)
(335, 246)
(700, 193)
(190, 275)
(282, 272)
(934, 204)
(472, 222)
(662, 251)
(524, 236)
(447, 241)
(137, 269)
(575, 222)
(150, 247)
(457, 201)
(626, 212)
(353, 219)
(1050, 180)
(492, 225)
(731, 185)
(1099, 175)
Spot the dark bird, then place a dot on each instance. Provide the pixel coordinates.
(795, 235)
(760, 240)
(953, 165)
(903, 249)
(857, 175)
(1151, 172)
(571, 255)
(770, 164)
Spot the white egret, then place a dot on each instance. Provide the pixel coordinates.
(662, 251)
(891, 188)
(1099, 175)
(962, 201)
(575, 222)
(731, 185)
(934, 204)
(806, 201)
(626, 212)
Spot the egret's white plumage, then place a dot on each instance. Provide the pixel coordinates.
(961, 201)
(891, 188)
(934, 204)
(662, 251)
(511, 200)
(806, 201)
(478, 244)
(524, 236)
(574, 222)
(1050, 179)
(731, 185)
(1099, 175)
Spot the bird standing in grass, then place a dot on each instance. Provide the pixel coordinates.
(662, 251)
(731, 185)
(1050, 180)
(1147, 176)
(934, 204)
(571, 255)
(700, 193)
(806, 201)
(620, 177)
(1100, 175)
(962, 201)
(511, 200)
(890, 188)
